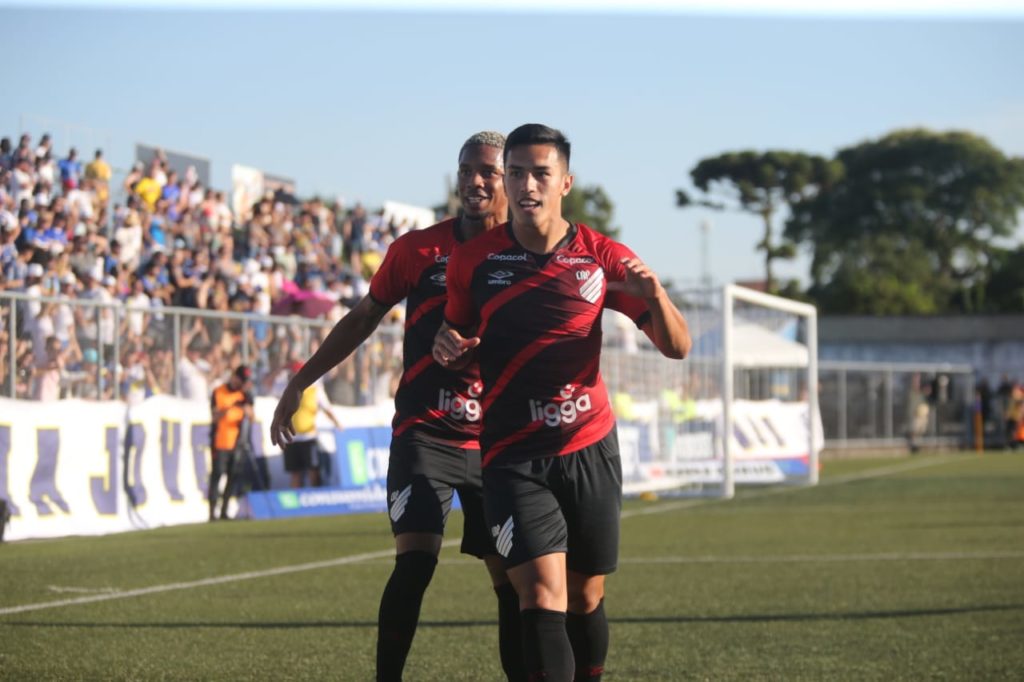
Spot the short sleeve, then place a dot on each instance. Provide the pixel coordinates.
(459, 311)
(391, 283)
(631, 306)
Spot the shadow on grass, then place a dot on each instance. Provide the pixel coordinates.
(630, 620)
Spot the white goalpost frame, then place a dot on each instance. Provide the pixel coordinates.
(730, 294)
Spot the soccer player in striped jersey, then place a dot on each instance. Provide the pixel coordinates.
(526, 300)
(434, 445)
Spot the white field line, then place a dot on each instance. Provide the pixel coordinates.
(83, 590)
(838, 480)
(370, 556)
(206, 582)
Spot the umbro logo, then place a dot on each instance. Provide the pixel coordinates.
(500, 278)
(439, 279)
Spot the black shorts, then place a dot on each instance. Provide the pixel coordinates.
(422, 475)
(562, 503)
(301, 455)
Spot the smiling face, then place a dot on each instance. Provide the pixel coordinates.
(536, 180)
(479, 186)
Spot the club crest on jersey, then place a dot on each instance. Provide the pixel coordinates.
(593, 285)
(439, 279)
(500, 278)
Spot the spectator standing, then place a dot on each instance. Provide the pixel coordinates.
(301, 454)
(230, 408)
(70, 171)
(99, 172)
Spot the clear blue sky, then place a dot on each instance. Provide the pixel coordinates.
(374, 105)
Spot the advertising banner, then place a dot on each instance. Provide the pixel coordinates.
(88, 468)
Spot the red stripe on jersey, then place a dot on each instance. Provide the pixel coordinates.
(408, 423)
(525, 355)
(519, 435)
(588, 435)
(425, 307)
(532, 282)
(416, 369)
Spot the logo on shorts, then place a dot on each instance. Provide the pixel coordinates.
(591, 289)
(565, 412)
(399, 501)
(503, 537)
(500, 278)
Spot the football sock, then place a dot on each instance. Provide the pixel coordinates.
(546, 649)
(510, 633)
(588, 633)
(400, 611)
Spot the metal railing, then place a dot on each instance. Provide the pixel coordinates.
(138, 351)
(115, 351)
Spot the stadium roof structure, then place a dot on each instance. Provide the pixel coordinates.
(931, 329)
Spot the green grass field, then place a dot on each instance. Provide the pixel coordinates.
(890, 569)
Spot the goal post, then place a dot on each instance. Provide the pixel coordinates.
(731, 295)
(741, 409)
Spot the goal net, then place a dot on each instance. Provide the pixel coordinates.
(741, 409)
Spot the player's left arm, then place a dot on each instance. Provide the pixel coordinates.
(665, 325)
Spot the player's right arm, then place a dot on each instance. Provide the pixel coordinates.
(347, 335)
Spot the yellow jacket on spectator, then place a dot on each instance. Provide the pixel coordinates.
(149, 191)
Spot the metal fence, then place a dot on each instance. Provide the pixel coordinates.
(878, 404)
(118, 352)
(56, 347)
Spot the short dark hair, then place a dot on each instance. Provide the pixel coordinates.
(537, 133)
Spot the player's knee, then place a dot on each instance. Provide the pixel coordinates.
(413, 571)
(585, 593)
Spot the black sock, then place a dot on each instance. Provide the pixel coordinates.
(400, 611)
(588, 633)
(546, 649)
(510, 633)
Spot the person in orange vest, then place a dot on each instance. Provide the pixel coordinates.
(230, 407)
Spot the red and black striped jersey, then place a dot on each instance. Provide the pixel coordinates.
(437, 402)
(538, 317)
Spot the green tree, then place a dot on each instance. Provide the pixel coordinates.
(590, 205)
(761, 183)
(915, 209)
(1004, 290)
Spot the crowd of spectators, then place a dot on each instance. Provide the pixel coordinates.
(171, 241)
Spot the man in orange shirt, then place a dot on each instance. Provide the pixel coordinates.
(230, 406)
